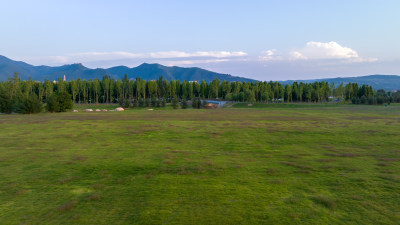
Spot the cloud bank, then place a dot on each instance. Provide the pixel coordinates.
(318, 51)
(312, 60)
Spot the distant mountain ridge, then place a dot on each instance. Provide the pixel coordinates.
(386, 82)
(145, 71)
(153, 71)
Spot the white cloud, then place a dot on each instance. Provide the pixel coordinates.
(297, 55)
(269, 55)
(314, 51)
(156, 55)
(184, 57)
(329, 50)
(193, 62)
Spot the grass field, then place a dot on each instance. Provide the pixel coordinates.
(267, 164)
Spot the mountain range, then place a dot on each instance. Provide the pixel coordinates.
(73, 71)
(386, 82)
(153, 71)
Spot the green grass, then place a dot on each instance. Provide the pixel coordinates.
(285, 105)
(82, 107)
(281, 164)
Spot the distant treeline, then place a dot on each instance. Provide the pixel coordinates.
(108, 90)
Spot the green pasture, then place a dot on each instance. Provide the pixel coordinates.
(260, 164)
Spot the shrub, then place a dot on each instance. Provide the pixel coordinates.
(371, 100)
(204, 104)
(29, 105)
(59, 102)
(141, 102)
(153, 102)
(355, 100)
(380, 100)
(135, 103)
(175, 103)
(6, 104)
(363, 100)
(124, 103)
(147, 102)
(196, 103)
(163, 102)
(184, 104)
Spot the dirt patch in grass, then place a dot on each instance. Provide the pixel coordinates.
(271, 171)
(348, 154)
(388, 159)
(326, 160)
(79, 158)
(21, 192)
(149, 175)
(303, 171)
(66, 207)
(93, 197)
(325, 201)
(66, 180)
(366, 118)
(276, 181)
(298, 166)
(169, 162)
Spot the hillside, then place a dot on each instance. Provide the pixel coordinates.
(145, 71)
(387, 82)
(153, 71)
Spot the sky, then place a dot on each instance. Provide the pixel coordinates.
(263, 40)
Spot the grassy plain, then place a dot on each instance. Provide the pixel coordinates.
(265, 164)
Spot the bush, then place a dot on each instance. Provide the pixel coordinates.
(355, 100)
(135, 103)
(204, 104)
(125, 103)
(363, 100)
(163, 102)
(153, 102)
(371, 100)
(184, 103)
(141, 102)
(380, 100)
(6, 104)
(29, 105)
(147, 102)
(59, 102)
(196, 103)
(175, 103)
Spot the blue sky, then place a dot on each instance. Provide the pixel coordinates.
(264, 40)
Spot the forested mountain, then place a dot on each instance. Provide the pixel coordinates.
(153, 71)
(386, 82)
(74, 71)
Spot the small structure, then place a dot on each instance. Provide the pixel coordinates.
(89, 110)
(211, 106)
(75, 110)
(150, 109)
(98, 110)
(105, 110)
(119, 109)
(214, 104)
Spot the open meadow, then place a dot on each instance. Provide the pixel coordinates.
(265, 164)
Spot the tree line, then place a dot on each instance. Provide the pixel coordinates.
(14, 93)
